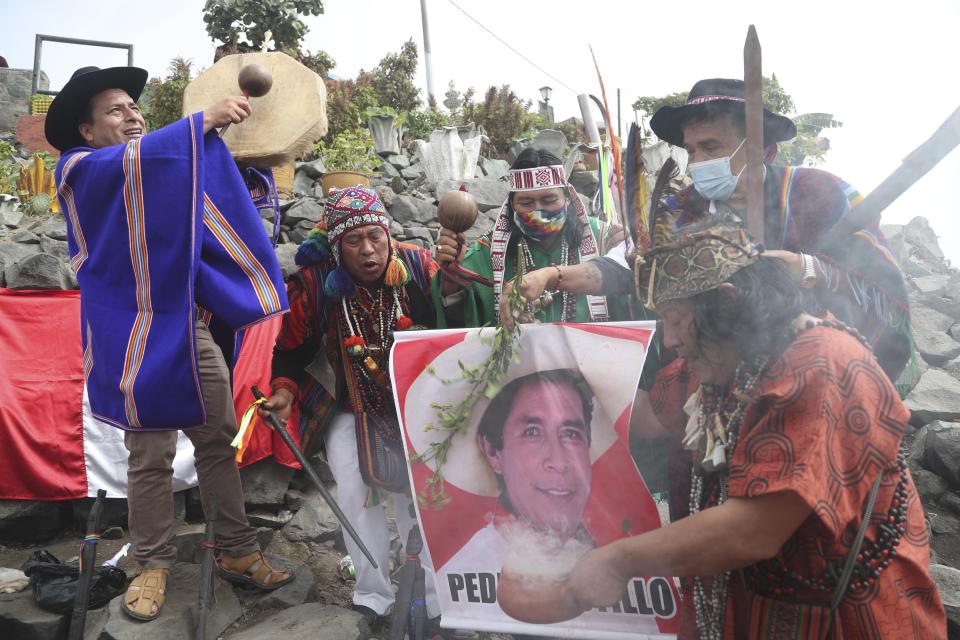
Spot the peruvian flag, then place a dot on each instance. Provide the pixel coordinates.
(51, 446)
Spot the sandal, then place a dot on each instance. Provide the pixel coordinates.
(147, 589)
(251, 570)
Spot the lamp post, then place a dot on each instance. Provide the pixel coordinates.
(545, 109)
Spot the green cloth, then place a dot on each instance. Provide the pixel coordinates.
(478, 309)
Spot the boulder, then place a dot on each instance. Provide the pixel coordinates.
(951, 502)
(954, 331)
(21, 618)
(918, 233)
(953, 368)
(10, 213)
(312, 621)
(39, 271)
(304, 209)
(56, 248)
(302, 183)
(264, 484)
(313, 169)
(585, 182)
(54, 227)
(268, 519)
(943, 304)
(417, 231)
(917, 456)
(926, 319)
(314, 522)
(407, 209)
(930, 486)
(943, 451)
(494, 167)
(936, 347)
(387, 195)
(935, 284)
(936, 397)
(398, 160)
(29, 521)
(552, 140)
(302, 589)
(286, 254)
(948, 580)
(389, 171)
(300, 231)
(24, 236)
(490, 193)
(177, 620)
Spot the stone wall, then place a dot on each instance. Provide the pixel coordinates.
(15, 87)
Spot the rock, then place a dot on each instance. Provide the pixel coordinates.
(490, 193)
(396, 229)
(948, 580)
(943, 451)
(22, 236)
(313, 169)
(408, 209)
(56, 248)
(551, 140)
(294, 499)
(930, 486)
(267, 227)
(11, 252)
(187, 540)
(585, 182)
(413, 172)
(300, 232)
(936, 348)
(494, 167)
(917, 457)
(935, 284)
(314, 522)
(177, 619)
(262, 518)
(942, 304)
(926, 319)
(936, 397)
(389, 171)
(955, 331)
(914, 268)
(953, 368)
(39, 271)
(951, 502)
(398, 184)
(29, 521)
(286, 253)
(21, 618)
(945, 537)
(918, 233)
(302, 183)
(304, 209)
(55, 227)
(302, 589)
(387, 195)
(10, 213)
(416, 231)
(399, 161)
(264, 484)
(313, 621)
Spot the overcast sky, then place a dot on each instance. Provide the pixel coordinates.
(889, 74)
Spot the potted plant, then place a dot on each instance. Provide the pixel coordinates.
(386, 126)
(348, 160)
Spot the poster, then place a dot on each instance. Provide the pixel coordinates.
(535, 472)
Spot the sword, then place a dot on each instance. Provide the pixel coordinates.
(88, 563)
(274, 423)
(753, 89)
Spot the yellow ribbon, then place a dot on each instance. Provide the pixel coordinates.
(242, 438)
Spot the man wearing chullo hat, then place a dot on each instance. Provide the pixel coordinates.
(162, 232)
(804, 520)
(863, 285)
(355, 287)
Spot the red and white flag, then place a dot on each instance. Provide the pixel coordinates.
(51, 446)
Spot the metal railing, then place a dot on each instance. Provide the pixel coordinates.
(38, 48)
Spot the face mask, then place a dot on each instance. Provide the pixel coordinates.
(540, 224)
(713, 179)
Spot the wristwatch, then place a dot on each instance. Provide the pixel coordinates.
(809, 278)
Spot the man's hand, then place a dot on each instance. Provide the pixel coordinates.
(597, 580)
(232, 109)
(615, 235)
(448, 244)
(281, 402)
(532, 286)
(793, 261)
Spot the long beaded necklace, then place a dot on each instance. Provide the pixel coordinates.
(369, 325)
(721, 416)
(568, 301)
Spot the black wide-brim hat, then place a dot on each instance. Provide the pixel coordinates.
(63, 116)
(726, 93)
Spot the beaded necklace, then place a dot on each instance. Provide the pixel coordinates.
(568, 304)
(724, 414)
(369, 324)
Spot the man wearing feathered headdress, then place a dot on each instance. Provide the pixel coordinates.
(355, 287)
(804, 521)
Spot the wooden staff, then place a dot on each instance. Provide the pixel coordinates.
(753, 172)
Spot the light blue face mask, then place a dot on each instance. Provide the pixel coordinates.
(713, 179)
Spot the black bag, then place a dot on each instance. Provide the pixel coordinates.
(54, 583)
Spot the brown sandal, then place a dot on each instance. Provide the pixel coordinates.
(147, 589)
(251, 570)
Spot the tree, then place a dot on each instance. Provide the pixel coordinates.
(229, 20)
(503, 115)
(162, 100)
(347, 104)
(392, 79)
(806, 148)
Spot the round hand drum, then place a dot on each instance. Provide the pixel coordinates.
(286, 120)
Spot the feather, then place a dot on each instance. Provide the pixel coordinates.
(660, 217)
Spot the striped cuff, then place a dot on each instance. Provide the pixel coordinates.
(285, 383)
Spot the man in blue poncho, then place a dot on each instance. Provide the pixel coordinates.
(173, 264)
